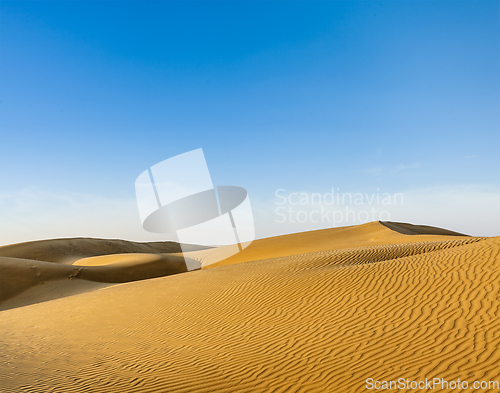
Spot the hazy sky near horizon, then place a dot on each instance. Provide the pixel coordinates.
(362, 97)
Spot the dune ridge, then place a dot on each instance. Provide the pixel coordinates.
(410, 229)
(318, 321)
(370, 234)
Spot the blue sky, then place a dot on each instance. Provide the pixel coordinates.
(301, 96)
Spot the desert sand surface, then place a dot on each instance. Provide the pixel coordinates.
(320, 311)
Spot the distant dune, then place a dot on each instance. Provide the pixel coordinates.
(68, 251)
(49, 269)
(318, 311)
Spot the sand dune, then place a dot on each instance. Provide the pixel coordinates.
(322, 315)
(371, 234)
(68, 251)
(51, 269)
(20, 275)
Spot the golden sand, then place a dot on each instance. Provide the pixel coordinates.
(320, 311)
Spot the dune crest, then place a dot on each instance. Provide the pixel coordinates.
(410, 229)
(370, 234)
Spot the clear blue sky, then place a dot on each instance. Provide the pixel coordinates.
(295, 95)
